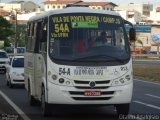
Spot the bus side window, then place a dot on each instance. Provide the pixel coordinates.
(38, 30)
(27, 36)
(30, 37)
(43, 37)
(33, 37)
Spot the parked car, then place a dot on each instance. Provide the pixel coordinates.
(17, 50)
(20, 49)
(15, 72)
(153, 54)
(4, 61)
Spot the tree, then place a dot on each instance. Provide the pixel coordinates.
(5, 31)
(20, 35)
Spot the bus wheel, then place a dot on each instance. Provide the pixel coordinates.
(45, 106)
(31, 99)
(122, 109)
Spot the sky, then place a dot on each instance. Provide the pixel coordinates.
(154, 2)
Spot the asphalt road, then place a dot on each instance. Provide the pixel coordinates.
(146, 101)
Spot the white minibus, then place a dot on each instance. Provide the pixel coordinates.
(79, 56)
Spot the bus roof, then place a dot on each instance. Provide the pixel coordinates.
(72, 10)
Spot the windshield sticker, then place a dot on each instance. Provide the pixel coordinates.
(84, 25)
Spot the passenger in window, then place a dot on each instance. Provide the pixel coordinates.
(92, 41)
(80, 47)
(101, 40)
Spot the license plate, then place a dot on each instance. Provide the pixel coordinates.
(92, 93)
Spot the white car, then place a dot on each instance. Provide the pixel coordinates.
(15, 72)
(4, 61)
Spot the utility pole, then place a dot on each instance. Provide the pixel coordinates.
(16, 29)
(158, 45)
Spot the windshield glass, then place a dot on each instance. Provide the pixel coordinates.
(18, 62)
(3, 55)
(87, 37)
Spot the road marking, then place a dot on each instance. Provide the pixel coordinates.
(153, 96)
(148, 105)
(19, 111)
(147, 82)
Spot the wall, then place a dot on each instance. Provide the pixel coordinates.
(10, 7)
(29, 6)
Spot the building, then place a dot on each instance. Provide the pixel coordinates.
(100, 5)
(4, 13)
(2, 5)
(22, 17)
(155, 16)
(26, 6)
(144, 9)
(59, 4)
(133, 16)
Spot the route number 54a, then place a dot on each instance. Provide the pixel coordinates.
(62, 27)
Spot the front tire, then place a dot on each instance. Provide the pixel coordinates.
(122, 109)
(45, 106)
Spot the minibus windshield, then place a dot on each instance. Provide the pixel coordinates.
(87, 37)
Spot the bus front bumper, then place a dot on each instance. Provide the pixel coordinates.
(71, 95)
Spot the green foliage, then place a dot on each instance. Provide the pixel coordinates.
(5, 30)
(20, 35)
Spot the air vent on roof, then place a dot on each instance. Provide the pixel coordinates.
(77, 5)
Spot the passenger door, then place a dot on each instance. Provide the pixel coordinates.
(40, 59)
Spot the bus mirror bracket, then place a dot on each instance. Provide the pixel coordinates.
(132, 34)
(132, 31)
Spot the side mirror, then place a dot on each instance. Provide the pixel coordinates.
(132, 34)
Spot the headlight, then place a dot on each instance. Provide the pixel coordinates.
(128, 77)
(7, 62)
(60, 81)
(122, 81)
(54, 77)
(16, 74)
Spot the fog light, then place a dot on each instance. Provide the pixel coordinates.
(67, 82)
(116, 82)
(121, 80)
(61, 80)
(128, 77)
(54, 77)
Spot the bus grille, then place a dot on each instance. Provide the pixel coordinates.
(82, 86)
(85, 87)
(85, 84)
(91, 98)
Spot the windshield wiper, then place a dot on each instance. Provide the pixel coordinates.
(100, 56)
